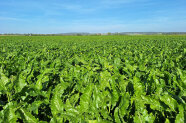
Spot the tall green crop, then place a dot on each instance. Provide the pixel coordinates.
(92, 79)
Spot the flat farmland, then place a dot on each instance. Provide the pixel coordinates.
(92, 79)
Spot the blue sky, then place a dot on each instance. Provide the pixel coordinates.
(59, 16)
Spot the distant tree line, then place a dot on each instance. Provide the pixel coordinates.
(98, 34)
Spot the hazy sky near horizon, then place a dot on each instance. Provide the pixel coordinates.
(60, 16)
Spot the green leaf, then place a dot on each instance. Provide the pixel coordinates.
(115, 96)
(56, 104)
(34, 106)
(3, 81)
(116, 115)
(138, 87)
(9, 113)
(27, 116)
(124, 104)
(92, 121)
(168, 100)
(85, 98)
(40, 81)
(105, 78)
(180, 116)
(20, 84)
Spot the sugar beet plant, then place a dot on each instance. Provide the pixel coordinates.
(92, 79)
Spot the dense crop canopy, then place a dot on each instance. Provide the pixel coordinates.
(92, 79)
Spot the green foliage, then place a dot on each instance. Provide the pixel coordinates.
(92, 79)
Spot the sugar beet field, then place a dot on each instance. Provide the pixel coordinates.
(93, 79)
